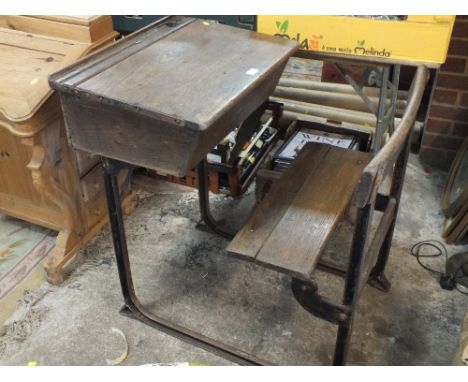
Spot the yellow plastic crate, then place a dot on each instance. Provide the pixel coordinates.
(422, 39)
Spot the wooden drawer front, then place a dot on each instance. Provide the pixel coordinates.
(85, 161)
(92, 184)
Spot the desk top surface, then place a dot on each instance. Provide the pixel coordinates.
(185, 69)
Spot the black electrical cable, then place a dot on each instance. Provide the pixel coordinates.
(440, 250)
(416, 252)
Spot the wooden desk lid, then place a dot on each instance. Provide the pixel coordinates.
(190, 71)
(25, 63)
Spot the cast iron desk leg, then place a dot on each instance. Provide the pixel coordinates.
(133, 307)
(351, 292)
(204, 201)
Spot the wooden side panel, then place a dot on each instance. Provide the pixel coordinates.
(85, 20)
(99, 25)
(119, 134)
(81, 30)
(15, 178)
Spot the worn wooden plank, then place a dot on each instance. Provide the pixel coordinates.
(303, 231)
(264, 218)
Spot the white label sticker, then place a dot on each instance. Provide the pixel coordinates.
(252, 71)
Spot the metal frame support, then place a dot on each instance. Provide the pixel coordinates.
(341, 314)
(385, 115)
(362, 254)
(306, 294)
(204, 202)
(358, 250)
(133, 307)
(382, 122)
(394, 85)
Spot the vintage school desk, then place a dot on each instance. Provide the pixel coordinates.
(163, 97)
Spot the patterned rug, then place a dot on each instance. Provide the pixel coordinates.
(23, 246)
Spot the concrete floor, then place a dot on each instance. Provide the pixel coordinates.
(185, 275)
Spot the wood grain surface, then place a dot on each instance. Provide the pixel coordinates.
(291, 226)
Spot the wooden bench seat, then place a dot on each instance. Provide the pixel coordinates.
(292, 224)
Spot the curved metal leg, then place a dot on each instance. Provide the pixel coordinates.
(133, 307)
(204, 201)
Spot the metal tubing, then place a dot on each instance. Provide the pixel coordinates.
(358, 249)
(204, 202)
(394, 99)
(381, 115)
(134, 308)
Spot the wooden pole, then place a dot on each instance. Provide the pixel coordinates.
(327, 112)
(339, 100)
(333, 87)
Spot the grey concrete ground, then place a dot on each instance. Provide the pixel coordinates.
(184, 274)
